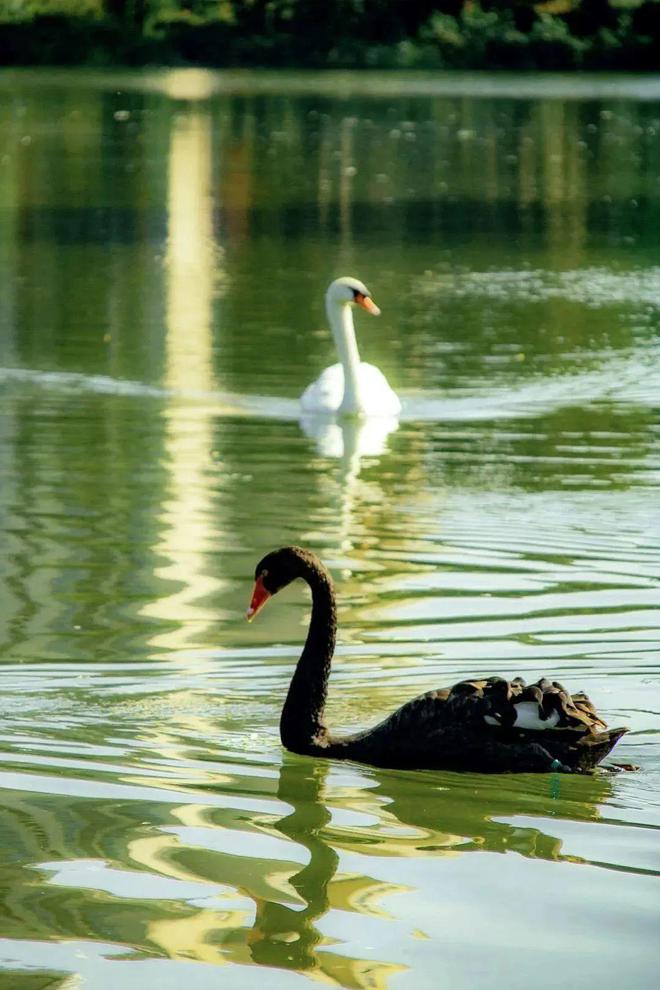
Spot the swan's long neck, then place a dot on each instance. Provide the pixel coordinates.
(340, 317)
(301, 726)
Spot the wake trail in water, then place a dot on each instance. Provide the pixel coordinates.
(633, 379)
(224, 403)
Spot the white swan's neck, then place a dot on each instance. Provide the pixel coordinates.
(340, 318)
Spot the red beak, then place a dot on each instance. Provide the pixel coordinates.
(260, 596)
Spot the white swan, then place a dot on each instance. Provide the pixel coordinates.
(352, 387)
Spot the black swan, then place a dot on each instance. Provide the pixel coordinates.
(483, 725)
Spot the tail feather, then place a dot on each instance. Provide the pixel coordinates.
(590, 749)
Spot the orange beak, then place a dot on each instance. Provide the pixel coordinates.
(260, 596)
(367, 303)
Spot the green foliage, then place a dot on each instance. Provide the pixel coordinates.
(27, 10)
(196, 12)
(552, 46)
(490, 39)
(336, 33)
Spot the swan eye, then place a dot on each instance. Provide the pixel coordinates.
(358, 296)
(264, 573)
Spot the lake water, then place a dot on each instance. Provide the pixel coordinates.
(165, 243)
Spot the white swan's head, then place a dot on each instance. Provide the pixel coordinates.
(348, 290)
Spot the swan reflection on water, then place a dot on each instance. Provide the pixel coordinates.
(267, 884)
(450, 821)
(349, 439)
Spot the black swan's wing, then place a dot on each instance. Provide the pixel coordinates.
(489, 725)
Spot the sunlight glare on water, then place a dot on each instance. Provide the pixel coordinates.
(165, 243)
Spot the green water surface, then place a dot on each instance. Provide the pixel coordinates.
(165, 243)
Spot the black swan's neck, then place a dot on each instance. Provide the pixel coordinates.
(302, 729)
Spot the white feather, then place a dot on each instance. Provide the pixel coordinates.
(528, 717)
(326, 394)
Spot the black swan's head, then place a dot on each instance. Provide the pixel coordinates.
(279, 568)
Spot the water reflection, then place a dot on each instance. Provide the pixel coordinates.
(253, 909)
(489, 810)
(457, 181)
(349, 440)
(151, 452)
(285, 931)
(281, 931)
(200, 854)
(192, 262)
(288, 936)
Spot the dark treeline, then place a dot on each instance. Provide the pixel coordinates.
(465, 34)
